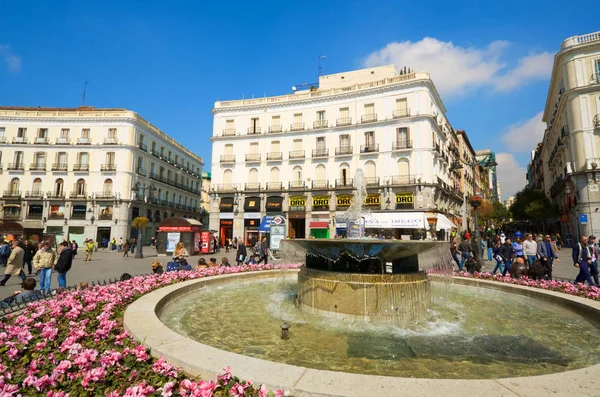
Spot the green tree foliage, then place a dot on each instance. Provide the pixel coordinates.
(140, 222)
(532, 205)
(501, 213)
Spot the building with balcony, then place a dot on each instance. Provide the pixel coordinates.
(565, 165)
(70, 173)
(297, 155)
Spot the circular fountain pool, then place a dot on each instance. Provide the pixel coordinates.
(472, 333)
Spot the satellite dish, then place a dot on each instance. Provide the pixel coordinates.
(294, 88)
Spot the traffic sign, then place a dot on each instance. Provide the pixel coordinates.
(583, 219)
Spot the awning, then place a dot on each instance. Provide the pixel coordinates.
(443, 223)
(396, 220)
(265, 224)
(318, 225)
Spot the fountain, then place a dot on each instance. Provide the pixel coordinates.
(367, 279)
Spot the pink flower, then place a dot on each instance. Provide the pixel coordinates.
(167, 389)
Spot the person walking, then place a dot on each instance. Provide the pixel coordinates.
(89, 250)
(454, 251)
(241, 254)
(498, 258)
(264, 252)
(74, 247)
(43, 261)
(490, 247)
(582, 258)
(113, 244)
(126, 248)
(530, 249)
(14, 265)
(465, 251)
(507, 252)
(63, 264)
(595, 251)
(518, 246)
(29, 253)
(4, 253)
(132, 244)
(547, 249)
(120, 246)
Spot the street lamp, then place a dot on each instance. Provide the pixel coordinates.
(136, 189)
(488, 163)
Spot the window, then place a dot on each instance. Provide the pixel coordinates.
(153, 168)
(297, 145)
(169, 175)
(253, 176)
(2, 132)
(401, 108)
(43, 133)
(274, 174)
(15, 183)
(18, 157)
(345, 142)
(64, 133)
(83, 158)
(344, 174)
(22, 133)
(229, 150)
(37, 186)
(402, 137)
(297, 174)
(254, 128)
(275, 146)
(112, 133)
(297, 125)
(80, 187)
(403, 168)
(110, 158)
(140, 163)
(176, 159)
(162, 152)
(40, 159)
(370, 171)
(153, 147)
(227, 177)
(59, 187)
(61, 158)
(276, 122)
(370, 139)
(320, 173)
(370, 109)
(254, 148)
(321, 115)
(141, 139)
(85, 133)
(344, 114)
(161, 173)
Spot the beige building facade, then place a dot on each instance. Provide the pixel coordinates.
(70, 173)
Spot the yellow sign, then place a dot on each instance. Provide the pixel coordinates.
(320, 201)
(373, 200)
(344, 200)
(404, 198)
(297, 201)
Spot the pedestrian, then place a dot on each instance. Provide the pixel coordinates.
(263, 252)
(227, 244)
(14, 265)
(530, 248)
(490, 247)
(465, 252)
(507, 252)
(104, 243)
(225, 262)
(132, 244)
(547, 250)
(582, 258)
(113, 244)
(499, 259)
(502, 238)
(126, 248)
(63, 264)
(89, 250)
(235, 243)
(595, 251)
(43, 261)
(4, 253)
(74, 247)
(241, 254)
(518, 246)
(120, 246)
(29, 253)
(153, 242)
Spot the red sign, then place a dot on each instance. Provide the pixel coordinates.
(179, 229)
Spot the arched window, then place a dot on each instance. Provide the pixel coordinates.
(370, 172)
(253, 176)
(180, 200)
(185, 201)
(108, 187)
(80, 187)
(344, 175)
(167, 198)
(320, 178)
(15, 183)
(59, 187)
(160, 194)
(274, 174)
(297, 174)
(227, 177)
(404, 170)
(37, 186)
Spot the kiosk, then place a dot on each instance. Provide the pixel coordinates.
(173, 230)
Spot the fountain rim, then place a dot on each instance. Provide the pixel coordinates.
(142, 320)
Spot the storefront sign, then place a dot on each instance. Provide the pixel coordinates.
(226, 222)
(320, 203)
(178, 228)
(297, 204)
(252, 223)
(274, 204)
(344, 200)
(373, 200)
(404, 201)
(252, 204)
(226, 204)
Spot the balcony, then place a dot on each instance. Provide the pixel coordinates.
(252, 187)
(104, 195)
(11, 216)
(143, 146)
(297, 127)
(368, 118)
(60, 167)
(595, 79)
(436, 149)
(345, 183)
(253, 157)
(15, 167)
(224, 188)
(77, 194)
(84, 141)
(372, 181)
(277, 186)
(34, 216)
(400, 180)
(41, 141)
(320, 184)
(108, 167)
(2, 139)
(14, 194)
(297, 154)
(597, 120)
(63, 141)
(227, 158)
(402, 145)
(343, 151)
(141, 171)
(372, 148)
(81, 167)
(34, 194)
(78, 216)
(275, 128)
(111, 141)
(296, 185)
(56, 216)
(228, 132)
(105, 217)
(55, 195)
(20, 140)
(274, 156)
(253, 131)
(343, 121)
(320, 153)
(320, 124)
(37, 167)
(154, 176)
(400, 113)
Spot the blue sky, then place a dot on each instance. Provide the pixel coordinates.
(169, 61)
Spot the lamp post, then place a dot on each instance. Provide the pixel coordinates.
(136, 189)
(486, 164)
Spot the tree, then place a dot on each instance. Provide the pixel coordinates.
(533, 205)
(501, 213)
(139, 223)
(485, 212)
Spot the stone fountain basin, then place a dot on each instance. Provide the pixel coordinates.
(197, 359)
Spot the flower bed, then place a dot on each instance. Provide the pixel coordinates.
(75, 345)
(578, 289)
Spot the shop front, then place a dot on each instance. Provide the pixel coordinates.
(11, 230)
(174, 230)
(251, 220)
(297, 217)
(398, 225)
(225, 220)
(319, 224)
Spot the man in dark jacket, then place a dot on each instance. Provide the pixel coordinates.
(29, 254)
(507, 252)
(465, 249)
(63, 265)
(264, 252)
(241, 253)
(582, 258)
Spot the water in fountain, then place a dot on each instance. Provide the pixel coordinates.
(355, 214)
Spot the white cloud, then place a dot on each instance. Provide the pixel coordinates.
(12, 61)
(510, 174)
(455, 69)
(524, 136)
(531, 67)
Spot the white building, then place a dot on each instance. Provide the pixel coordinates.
(70, 173)
(296, 155)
